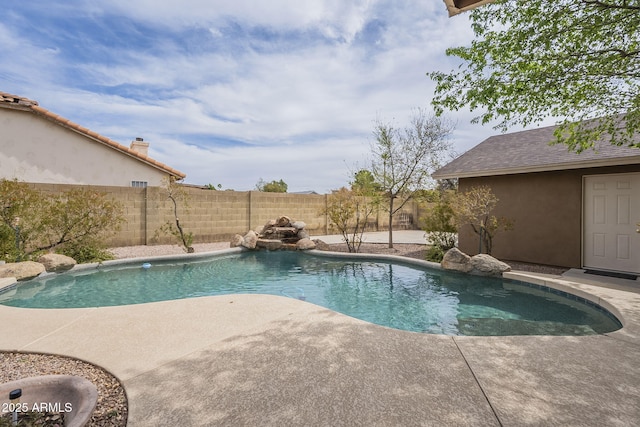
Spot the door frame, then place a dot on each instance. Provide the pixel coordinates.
(583, 220)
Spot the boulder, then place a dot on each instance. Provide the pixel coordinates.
(250, 239)
(303, 234)
(486, 265)
(236, 241)
(283, 221)
(456, 260)
(265, 228)
(280, 232)
(323, 246)
(305, 244)
(22, 270)
(269, 244)
(298, 225)
(56, 263)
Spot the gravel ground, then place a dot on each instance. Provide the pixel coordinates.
(111, 409)
(158, 250)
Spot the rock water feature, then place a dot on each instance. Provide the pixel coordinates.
(276, 234)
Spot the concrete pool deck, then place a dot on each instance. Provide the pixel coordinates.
(267, 360)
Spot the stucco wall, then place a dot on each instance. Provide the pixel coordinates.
(214, 216)
(547, 211)
(34, 149)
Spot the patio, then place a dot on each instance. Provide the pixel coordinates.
(268, 360)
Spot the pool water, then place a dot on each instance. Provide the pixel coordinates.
(396, 295)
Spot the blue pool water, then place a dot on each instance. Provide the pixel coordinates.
(396, 295)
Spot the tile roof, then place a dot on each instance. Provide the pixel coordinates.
(529, 151)
(20, 103)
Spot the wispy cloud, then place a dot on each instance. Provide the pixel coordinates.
(234, 91)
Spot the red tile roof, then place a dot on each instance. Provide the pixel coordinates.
(21, 103)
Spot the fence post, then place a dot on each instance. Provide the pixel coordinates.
(250, 213)
(146, 217)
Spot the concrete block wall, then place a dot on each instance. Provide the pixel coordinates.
(215, 216)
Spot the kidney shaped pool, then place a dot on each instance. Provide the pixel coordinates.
(392, 294)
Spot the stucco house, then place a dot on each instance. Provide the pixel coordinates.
(39, 146)
(570, 210)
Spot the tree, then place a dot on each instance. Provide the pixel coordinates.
(176, 193)
(272, 187)
(364, 181)
(473, 207)
(570, 59)
(404, 158)
(349, 212)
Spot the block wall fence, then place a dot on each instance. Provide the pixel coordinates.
(216, 216)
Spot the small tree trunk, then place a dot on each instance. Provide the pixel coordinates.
(391, 222)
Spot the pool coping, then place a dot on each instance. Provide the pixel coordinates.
(172, 343)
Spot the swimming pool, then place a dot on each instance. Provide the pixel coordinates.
(392, 294)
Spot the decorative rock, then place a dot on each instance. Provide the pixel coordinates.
(250, 239)
(456, 260)
(305, 244)
(486, 265)
(269, 244)
(283, 221)
(56, 262)
(298, 225)
(321, 245)
(236, 241)
(22, 270)
(78, 393)
(281, 230)
(265, 228)
(276, 234)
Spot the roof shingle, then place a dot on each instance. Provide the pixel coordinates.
(530, 151)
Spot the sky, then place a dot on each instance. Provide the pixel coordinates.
(232, 92)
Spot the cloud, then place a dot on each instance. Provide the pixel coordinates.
(235, 91)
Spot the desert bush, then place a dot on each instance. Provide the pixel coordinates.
(439, 225)
(75, 221)
(176, 194)
(474, 207)
(349, 211)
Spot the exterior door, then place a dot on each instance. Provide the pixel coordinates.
(611, 213)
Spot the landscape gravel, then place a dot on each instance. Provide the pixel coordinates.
(111, 408)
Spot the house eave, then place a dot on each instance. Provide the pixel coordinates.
(542, 168)
(455, 10)
(94, 136)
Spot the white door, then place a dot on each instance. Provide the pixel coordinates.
(611, 214)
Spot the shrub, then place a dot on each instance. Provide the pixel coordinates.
(72, 222)
(86, 251)
(474, 208)
(440, 226)
(349, 212)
